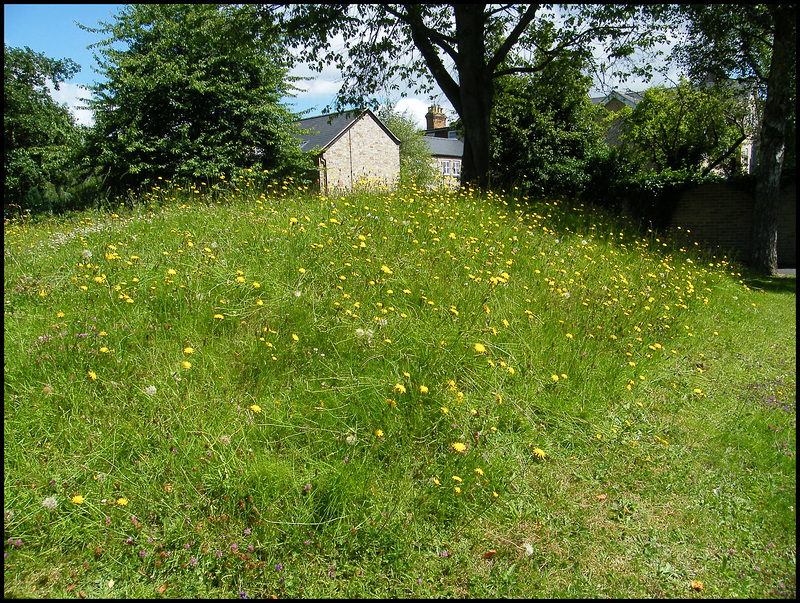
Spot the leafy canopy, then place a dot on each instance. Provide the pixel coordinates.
(194, 94)
(691, 127)
(39, 136)
(544, 129)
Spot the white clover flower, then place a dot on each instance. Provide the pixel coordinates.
(50, 503)
(150, 390)
(86, 253)
(350, 439)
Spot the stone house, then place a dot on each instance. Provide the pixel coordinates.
(351, 147)
(447, 150)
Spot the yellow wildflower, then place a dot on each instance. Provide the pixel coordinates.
(379, 433)
(480, 348)
(539, 453)
(255, 408)
(459, 447)
(77, 499)
(92, 375)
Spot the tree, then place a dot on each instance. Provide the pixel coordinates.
(688, 126)
(544, 128)
(756, 41)
(194, 95)
(40, 136)
(416, 168)
(464, 48)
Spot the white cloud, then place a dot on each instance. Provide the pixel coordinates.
(70, 95)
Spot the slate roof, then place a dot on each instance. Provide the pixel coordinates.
(629, 97)
(445, 147)
(324, 130)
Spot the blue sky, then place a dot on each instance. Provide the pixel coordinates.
(51, 29)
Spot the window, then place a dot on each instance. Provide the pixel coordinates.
(456, 168)
(445, 167)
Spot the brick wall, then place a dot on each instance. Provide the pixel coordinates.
(720, 217)
(363, 153)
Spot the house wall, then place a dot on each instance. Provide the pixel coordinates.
(363, 153)
(452, 179)
(720, 216)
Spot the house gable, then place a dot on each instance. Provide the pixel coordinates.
(352, 147)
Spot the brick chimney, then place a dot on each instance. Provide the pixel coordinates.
(435, 118)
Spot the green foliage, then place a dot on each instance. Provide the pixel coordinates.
(691, 127)
(41, 141)
(416, 168)
(194, 94)
(543, 129)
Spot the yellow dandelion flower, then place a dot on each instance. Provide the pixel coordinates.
(301, 270)
(218, 316)
(423, 389)
(92, 375)
(122, 502)
(539, 453)
(457, 490)
(494, 494)
(188, 350)
(255, 408)
(436, 481)
(480, 348)
(256, 285)
(386, 270)
(295, 337)
(478, 470)
(391, 403)
(554, 378)
(379, 433)
(60, 315)
(459, 447)
(444, 409)
(457, 479)
(399, 388)
(77, 499)
(186, 364)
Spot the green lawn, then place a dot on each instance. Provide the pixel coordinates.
(217, 392)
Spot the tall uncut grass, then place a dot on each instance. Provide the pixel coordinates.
(219, 392)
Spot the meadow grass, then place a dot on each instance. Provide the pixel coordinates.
(219, 392)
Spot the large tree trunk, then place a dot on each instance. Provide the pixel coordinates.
(772, 142)
(476, 93)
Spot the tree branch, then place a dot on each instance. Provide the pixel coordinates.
(513, 37)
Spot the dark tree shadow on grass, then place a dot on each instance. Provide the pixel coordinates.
(773, 284)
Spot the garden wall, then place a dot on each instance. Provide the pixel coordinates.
(720, 217)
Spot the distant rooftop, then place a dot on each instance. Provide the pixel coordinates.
(324, 130)
(445, 147)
